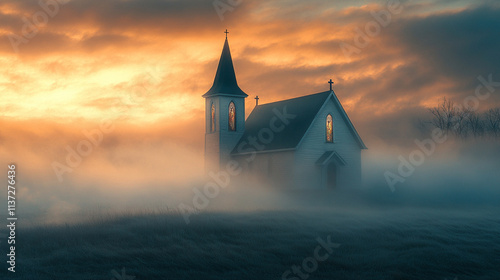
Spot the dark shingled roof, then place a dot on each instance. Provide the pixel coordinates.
(225, 78)
(304, 110)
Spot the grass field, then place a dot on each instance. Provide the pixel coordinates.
(375, 243)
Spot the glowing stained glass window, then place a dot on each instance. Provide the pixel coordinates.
(329, 128)
(212, 123)
(232, 117)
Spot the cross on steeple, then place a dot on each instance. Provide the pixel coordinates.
(331, 84)
(226, 33)
(257, 100)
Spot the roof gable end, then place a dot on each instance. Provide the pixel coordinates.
(345, 117)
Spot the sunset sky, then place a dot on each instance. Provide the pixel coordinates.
(144, 64)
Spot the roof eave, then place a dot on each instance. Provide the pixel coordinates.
(263, 152)
(215, 93)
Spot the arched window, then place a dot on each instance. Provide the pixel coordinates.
(329, 128)
(212, 122)
(232, 117)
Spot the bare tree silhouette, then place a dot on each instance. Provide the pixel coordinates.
(443, 115)
(465, 122)
(475, 124)
(492, 121)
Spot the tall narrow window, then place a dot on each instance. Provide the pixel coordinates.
(212, 122)
(329, 128)
(232, 117)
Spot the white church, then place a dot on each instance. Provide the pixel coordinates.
(303, 142)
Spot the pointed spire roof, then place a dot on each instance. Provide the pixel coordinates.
(225, 78)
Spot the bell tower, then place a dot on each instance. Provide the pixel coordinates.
(224, 113)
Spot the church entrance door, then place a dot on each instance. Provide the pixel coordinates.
(331, 175)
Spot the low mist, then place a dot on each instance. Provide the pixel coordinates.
(132, 174)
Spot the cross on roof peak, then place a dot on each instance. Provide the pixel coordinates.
(226, 33)
(331, 84)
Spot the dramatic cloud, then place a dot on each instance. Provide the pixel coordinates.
(460, 46)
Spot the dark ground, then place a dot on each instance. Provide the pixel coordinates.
(398, 243)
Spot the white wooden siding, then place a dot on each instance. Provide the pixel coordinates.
(313, 145)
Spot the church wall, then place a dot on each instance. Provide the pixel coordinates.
(274, 167)
(313, 145)
(281, 168)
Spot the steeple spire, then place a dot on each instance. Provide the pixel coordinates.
(225, 79)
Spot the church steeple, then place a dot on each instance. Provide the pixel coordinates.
(224, 114)
(225, 78)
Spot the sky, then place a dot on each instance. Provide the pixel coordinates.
(141, 66)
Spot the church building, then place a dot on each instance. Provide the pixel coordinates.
(303, 142)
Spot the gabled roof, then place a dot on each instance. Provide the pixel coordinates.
(304, 110)
(301, 112)
(225, 78)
